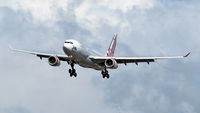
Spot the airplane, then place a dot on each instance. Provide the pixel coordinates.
(76, 53)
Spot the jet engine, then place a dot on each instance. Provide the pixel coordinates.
(111, 63)
(54, 61)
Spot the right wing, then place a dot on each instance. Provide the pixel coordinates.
(42, 55)
(125, 60)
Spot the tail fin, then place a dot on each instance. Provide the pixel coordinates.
(111, 49)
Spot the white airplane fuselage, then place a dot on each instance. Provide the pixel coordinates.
(80, 54)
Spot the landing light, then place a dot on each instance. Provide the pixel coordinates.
(70, 56)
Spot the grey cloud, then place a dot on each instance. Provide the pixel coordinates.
(170, 30)
(22, 86)
(15, 110)
(166, 86)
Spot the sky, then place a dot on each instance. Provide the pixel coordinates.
(144, 27)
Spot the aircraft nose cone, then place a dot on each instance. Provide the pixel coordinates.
(68, 47)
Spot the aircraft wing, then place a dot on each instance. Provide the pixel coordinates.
(42, 55)
(136, 60)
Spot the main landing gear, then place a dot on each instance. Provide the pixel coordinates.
(104, 73)
(72, 71)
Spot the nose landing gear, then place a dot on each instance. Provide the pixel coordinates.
(72, 71)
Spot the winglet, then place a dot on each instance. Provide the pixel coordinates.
(187, 54)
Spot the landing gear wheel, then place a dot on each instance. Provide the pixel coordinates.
(75, 74)
(105, 73)
(108, 76)
(72, 71)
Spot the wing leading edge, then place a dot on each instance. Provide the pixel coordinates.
(42, 55)
(136, 60)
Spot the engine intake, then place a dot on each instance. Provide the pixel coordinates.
(54, 61)
(111, 63)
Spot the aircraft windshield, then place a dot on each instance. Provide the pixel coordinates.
(69, 42)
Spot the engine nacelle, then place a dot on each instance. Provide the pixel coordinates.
(54, 61)
(111, 63)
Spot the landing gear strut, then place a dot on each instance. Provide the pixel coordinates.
(104, 73)
(72, 71)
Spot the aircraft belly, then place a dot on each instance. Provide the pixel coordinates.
(81, 58)
(89, 64)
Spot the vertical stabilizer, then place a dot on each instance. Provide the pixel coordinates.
(111, 49)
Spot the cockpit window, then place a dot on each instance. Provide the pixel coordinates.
(69, 42)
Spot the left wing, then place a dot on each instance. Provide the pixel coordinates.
(136, 60)
(42, 55)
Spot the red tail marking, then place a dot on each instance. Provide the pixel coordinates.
(112, 47)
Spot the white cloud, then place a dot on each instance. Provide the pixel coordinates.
(41, 10)
(93, 16)
(128, 4)
(88, 13)
(155, 88)
(186, 108)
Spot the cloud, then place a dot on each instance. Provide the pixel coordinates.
(45, 11)
(145, 28)
(128, 5)
(15, 110)
(186, 108)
